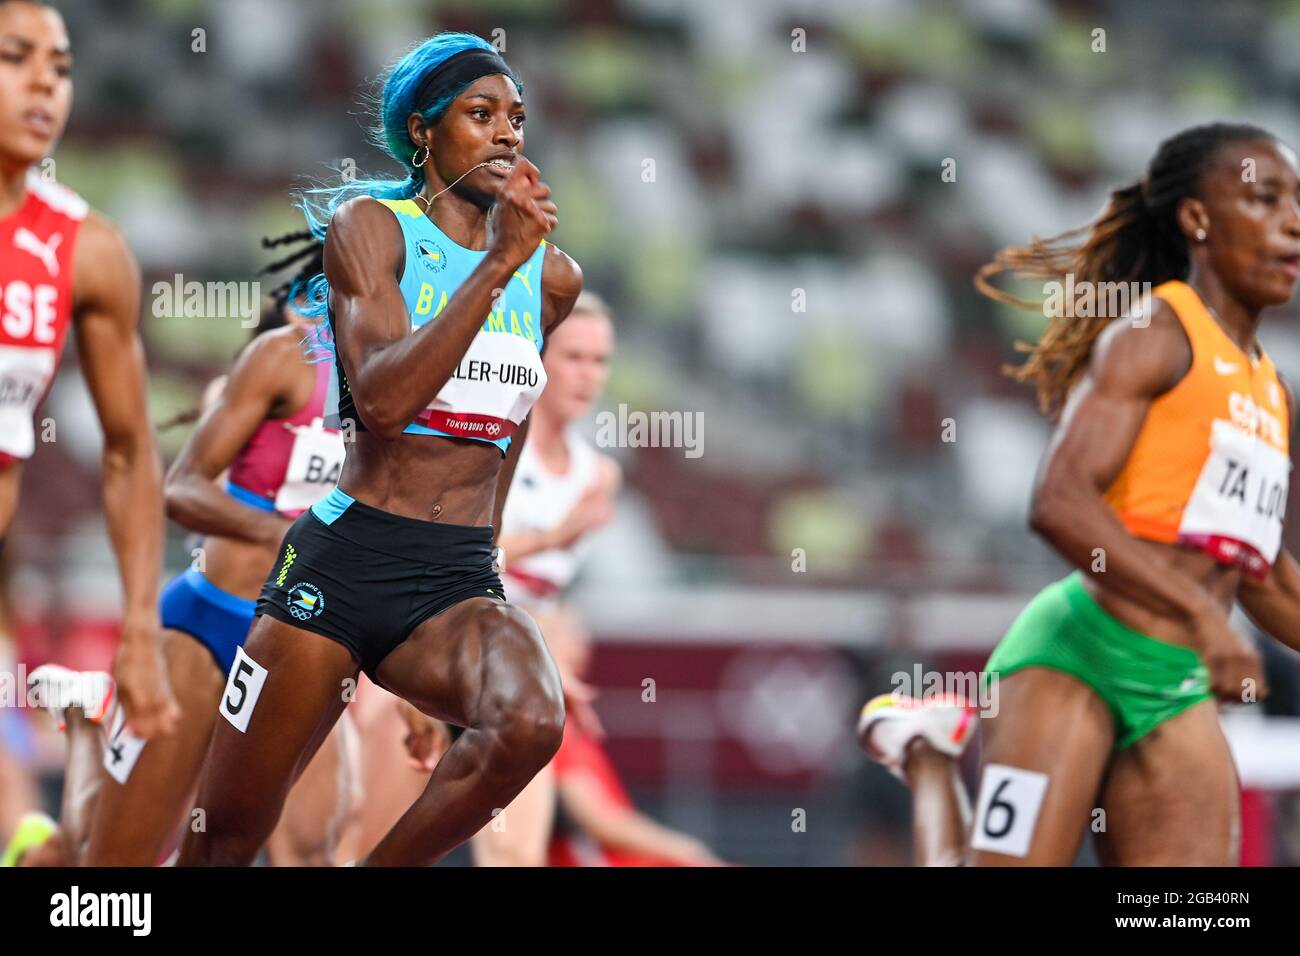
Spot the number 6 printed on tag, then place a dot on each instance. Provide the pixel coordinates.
(1009, 802)
(242, 689)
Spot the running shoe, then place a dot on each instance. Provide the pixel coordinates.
(889, 723)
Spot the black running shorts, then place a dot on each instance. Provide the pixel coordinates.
(367, 578)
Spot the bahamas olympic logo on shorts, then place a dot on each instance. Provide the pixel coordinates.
(430, 255)
(305, 601)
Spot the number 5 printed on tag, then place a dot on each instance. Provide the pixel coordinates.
(1009, 802)
(242, 689)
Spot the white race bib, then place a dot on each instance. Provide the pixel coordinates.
(25, 373)
(1240, 494)
(500, 376)
(1007, 810)
(243, 687)
(314, 467)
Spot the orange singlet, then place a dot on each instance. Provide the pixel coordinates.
(1210, 467)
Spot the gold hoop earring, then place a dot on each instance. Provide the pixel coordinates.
(421, 162)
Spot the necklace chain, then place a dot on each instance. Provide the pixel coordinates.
(428, 200)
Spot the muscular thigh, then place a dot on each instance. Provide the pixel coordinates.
(1042, 762)
(476, 655)
(1172, 798)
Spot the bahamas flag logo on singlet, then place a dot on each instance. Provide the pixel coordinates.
(430, 256)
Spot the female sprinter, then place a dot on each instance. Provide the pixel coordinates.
(440, 290)
(63, 264)
(1164, 484)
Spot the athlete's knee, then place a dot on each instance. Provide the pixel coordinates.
(525, 731)
(521, 712)
(525, 726)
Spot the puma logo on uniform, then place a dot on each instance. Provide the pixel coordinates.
(26, 240)
(523, 277)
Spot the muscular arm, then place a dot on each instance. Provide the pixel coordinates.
(256, 388)
(106, 293)
(1130, 367)
(107, 296)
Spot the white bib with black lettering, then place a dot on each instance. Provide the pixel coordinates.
(1240, 495)
(314, 466)
(25, 374)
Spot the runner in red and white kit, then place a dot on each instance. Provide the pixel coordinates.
(63, 263)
